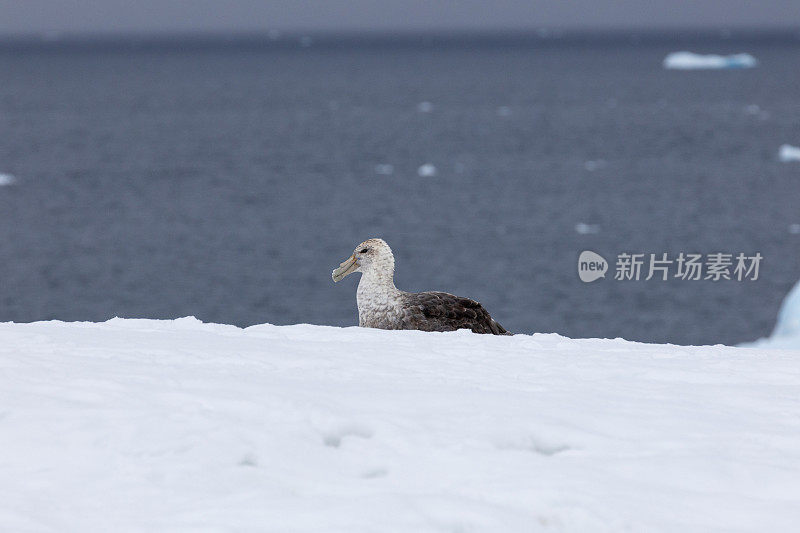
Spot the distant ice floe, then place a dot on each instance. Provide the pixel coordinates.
(424, 107)
(756, 111)
(384, 169)
(794, 229)
(692, 61)
(7, 179)
(788, 153)
(596, 164)
(426, 171)
(504, 111)
(586, 229)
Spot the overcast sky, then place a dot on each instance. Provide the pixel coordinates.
(35, 16)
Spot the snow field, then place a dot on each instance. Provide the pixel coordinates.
(144, 425)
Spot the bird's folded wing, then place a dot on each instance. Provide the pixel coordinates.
(441, 311)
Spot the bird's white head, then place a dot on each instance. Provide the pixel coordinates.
(371, 257)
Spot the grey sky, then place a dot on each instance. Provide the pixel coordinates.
(26, 16)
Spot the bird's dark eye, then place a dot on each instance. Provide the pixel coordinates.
(363, 250)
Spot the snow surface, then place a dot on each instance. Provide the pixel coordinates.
(692, 61)
(145, 425)
(788, 153)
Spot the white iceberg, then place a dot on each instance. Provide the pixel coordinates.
(788, 324)
(786, 334)
(148, 425)
(692, 61)
(424, 107)
(7, 179)
(788, 153)
(427, 171)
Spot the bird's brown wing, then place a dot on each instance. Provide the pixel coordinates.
(440, 311)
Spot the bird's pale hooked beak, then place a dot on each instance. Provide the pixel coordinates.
(347, 267)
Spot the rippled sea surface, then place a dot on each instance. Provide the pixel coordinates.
(226, 181)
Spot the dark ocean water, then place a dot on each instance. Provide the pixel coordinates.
(226, 181)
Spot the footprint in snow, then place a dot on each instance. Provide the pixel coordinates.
(535, 445)
(333, 438)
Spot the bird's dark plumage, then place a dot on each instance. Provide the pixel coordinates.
(441, 311)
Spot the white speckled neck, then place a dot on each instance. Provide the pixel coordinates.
(377, 297)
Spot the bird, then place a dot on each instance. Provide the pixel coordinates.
(382, 305)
